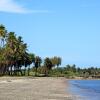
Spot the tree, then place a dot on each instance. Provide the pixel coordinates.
(74, 68)
(37, 63)
(30, 61)
(3, 33)
(13, 53)
(58, 61)
(11, 49)
(48, 65)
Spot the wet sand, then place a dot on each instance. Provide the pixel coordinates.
(42, 88)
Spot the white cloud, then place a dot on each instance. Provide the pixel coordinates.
(13, 7)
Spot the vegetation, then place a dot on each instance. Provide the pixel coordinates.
(16, 60)
(71, 71)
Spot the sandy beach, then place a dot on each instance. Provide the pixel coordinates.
(43, 88)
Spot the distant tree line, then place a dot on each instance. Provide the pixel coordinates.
(72, 71)
(15, 58)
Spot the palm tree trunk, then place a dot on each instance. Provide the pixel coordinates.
(21, 71)
(46, 72)
(36, 71)
(11, 70)
(29, 70)
(25, 71)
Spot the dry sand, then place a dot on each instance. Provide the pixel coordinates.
(43, 88)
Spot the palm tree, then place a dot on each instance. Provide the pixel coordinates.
(31, 58)
(37, 63)
(13, 55)
(2, 61)
(48, 65)
(3, 33)
(54, 61)
(21, 54)
(11, 49)
(58, 61)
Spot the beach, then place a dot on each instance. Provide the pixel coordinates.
(34, 88)
(42, 88)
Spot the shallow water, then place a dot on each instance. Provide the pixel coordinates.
(87, 89)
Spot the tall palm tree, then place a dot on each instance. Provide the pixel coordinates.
(3, 33)
(21, 55)
(58, 61)
(48, 65)
(11, 49)
(2, 61)
(37, 63)
(31, 59)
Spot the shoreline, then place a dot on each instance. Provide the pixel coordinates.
(36, 88)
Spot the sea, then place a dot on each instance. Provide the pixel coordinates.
(85, 89)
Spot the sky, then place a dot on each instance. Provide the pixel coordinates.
(66, 28)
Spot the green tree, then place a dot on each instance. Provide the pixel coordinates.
(58, 61)
(48, 65)
(3, 33)
(30, 61)
(37, 63)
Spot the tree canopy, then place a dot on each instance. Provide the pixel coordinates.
(14, 55)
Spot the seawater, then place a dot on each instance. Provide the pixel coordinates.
(86, 89)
